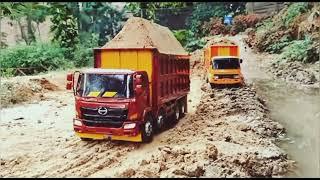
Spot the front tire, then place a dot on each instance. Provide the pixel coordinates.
(176, 115)
(147, 130)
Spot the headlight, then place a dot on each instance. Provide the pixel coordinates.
(236, 76)
(77, 122)
(129, 126)
(216, 77)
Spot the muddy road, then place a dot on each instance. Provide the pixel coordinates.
(295, 106)
(227, 133)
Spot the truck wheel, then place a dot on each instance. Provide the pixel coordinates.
(182, 109)
(212, 85)
(147, 130)
(159, 123)
(86, 139)
(176, 114)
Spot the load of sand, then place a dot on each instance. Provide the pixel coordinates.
(141, 33)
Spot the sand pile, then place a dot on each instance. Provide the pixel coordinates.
(141, 33)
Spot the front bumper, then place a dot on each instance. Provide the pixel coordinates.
(122, 134)
(226, 81)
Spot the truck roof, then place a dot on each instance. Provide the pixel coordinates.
(107, 71)
(221, 57)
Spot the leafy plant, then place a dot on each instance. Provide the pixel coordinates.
(242, 22)
(214, 26)
(293, 11)
(278, 46)
(182, 36)
(300, 50)
(39, 56)
(64, 27)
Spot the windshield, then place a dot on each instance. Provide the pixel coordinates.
(226, 63)
(105, 85)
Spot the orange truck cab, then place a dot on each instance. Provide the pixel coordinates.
(222, 64)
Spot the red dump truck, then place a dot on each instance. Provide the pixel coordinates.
(130, 93)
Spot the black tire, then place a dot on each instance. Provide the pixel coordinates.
(176, 114)
(147, 129)
(182, 108)
(159, 122)
(86, 139)
(212, 85)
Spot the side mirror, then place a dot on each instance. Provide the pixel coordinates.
(138, 90)
(240, 60)
(69, 85)
(69, 77)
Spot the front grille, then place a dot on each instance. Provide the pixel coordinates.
(114, 118)
(231, 76)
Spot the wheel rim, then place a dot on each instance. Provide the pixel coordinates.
(182, 109)
(177, 113)
(160, 121)
(148, 128)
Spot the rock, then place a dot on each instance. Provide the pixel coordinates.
(144, 162)
(19, 118)
(212, 152)
(162, 167)
(39, 121)
(194, 171)
(179, 172)
(243, 127)
(128, 173)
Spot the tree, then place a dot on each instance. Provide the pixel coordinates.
(100, 18)
(147, 10)
(64, 27)
(32, 12)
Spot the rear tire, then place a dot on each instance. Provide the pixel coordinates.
(159, 122)
(182, 108)
(147, 129)
(176, 114)
(212, 85)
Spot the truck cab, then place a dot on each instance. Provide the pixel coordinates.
(111, 104)
(222, 64)
(225, 70)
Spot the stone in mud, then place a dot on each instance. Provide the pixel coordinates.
(128, 173)
(212, 152)
(179, 172)
(194, 171)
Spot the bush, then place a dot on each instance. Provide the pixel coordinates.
(203, 12)
(38, 56)
(278, 46)
(242, 22)
(83, 55)
(195, 44)
(300, 50)
(293, 11)
(214, 27)
(182, 36)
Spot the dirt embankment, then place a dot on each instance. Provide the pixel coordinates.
(297, 72)
(230, 135)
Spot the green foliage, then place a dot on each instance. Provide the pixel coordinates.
(300, 50)
(276, 47)
(194, 44)
(182, 36)
(100, 18)
(293, 11)
(64, 27)
(203, 11)
(40, 56)
(83, 55)
(147, 10)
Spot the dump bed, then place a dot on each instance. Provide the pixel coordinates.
(168, 74)
(220, 50)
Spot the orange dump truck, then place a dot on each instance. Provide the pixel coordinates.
(222, 64)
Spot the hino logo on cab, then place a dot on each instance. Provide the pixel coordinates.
(102, 111)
